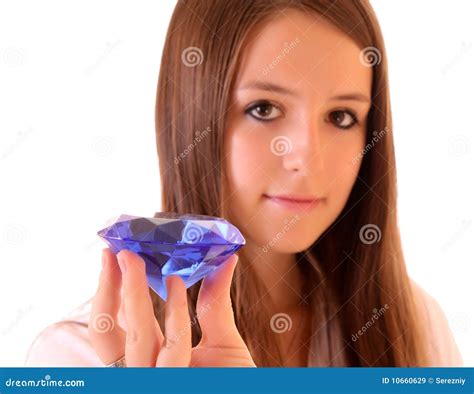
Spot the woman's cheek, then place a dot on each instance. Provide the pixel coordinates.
(245, 158)
(248, 156)
(344, 166)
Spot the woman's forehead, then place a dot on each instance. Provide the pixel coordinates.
(304, 52)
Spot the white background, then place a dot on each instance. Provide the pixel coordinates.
(77, 147)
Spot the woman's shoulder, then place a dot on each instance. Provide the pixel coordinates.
(443, 350)
(64, 343)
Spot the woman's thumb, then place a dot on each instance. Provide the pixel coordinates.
(214, 305)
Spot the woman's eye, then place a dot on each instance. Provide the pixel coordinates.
(343, 119)
(263, 111)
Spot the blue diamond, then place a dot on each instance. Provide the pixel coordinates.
(188, 245)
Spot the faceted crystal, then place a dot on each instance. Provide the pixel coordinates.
(189, 245)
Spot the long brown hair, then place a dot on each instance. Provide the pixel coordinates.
(350, 283)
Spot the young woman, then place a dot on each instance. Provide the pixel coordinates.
(275, 115)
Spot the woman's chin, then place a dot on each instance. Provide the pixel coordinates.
(287, 244)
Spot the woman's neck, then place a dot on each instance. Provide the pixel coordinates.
(280, 275)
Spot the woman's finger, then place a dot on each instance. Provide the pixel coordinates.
(176, 350)
(214, 307)
(107, 337)
(144, 336)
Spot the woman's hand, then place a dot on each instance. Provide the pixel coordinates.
(143, 342)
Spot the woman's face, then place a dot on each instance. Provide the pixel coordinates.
(291, 133)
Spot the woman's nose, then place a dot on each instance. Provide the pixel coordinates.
(303, 150)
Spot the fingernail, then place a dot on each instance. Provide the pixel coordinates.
(122, 263)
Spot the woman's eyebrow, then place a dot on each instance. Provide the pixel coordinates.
(271, 87)
(351, 96)
(268, 86)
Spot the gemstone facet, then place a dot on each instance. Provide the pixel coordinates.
(189, 245)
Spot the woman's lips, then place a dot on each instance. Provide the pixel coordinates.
(294, 203)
